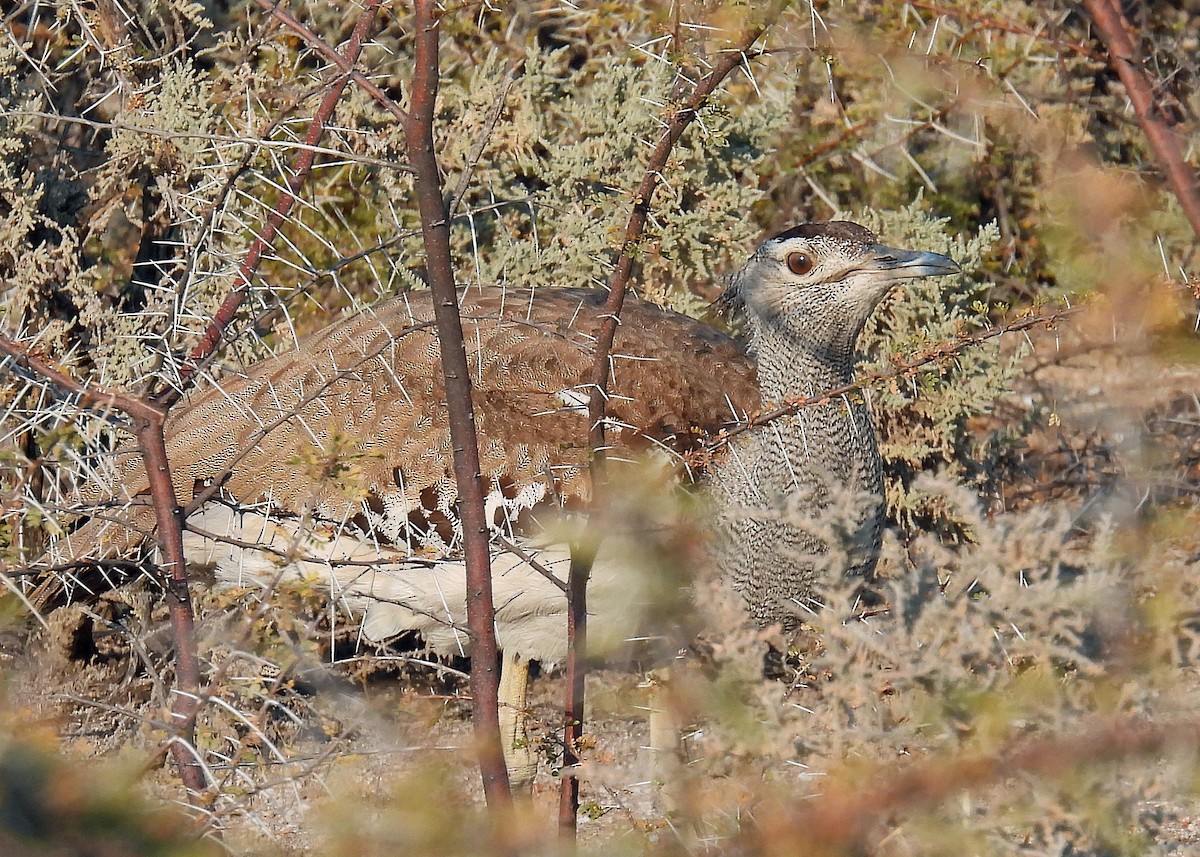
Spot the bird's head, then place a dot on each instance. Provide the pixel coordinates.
(820, 281)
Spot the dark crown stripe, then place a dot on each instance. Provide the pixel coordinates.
(843, 229)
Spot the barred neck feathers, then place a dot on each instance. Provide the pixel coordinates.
(802, 498)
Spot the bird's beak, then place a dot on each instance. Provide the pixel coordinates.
(908, 264)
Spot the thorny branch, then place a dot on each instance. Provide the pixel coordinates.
(1122, 56)
(225, 314)
(435, 228)
(680, 115)
(29, 361)
(417, 123)
(149, 417)
(151, 440)
(345, 63)
(938, 353)
(148, 421)
(986, 22)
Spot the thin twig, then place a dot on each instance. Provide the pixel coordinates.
(985, 22)
(530, 560)
(489, 125)
(345, 63)
(258, 141)
(900, 369)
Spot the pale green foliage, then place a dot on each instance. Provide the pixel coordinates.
(923, 420)
(154, 172)
(160, 136)
(566, 157)
(39, 250)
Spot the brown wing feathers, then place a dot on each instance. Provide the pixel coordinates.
(358, 414)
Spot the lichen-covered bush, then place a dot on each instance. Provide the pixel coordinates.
(924, 420)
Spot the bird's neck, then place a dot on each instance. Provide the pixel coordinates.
(791, 365)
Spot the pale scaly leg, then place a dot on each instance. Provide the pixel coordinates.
(665, 750)
(514, 715)
(675, 795)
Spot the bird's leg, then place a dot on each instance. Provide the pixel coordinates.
(668, 761)
(665, 750)
(514, 715)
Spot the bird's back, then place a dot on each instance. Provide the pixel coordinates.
(353, 426)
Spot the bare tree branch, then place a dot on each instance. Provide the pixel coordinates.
(303, 165)
(1123, 58)
(167, 514)
(149, 417)
(679, 116)
(30, 361)
(148, 428)
(435, 228)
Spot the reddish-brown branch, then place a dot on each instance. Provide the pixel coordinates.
(226, 313)
(679, 117)
(152, 444)
(582, 557)
(346, 64)
(1122, 55)
(845, 820)
(938, 353)
(149, 421)
(435, 230)
(96, 398)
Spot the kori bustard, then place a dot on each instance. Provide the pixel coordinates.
(334, 460)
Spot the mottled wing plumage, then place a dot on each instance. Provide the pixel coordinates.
(353, 426)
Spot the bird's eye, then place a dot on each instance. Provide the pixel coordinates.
(800, 263)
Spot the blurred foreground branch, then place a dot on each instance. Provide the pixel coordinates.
(1122, 56)
(845, 819)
